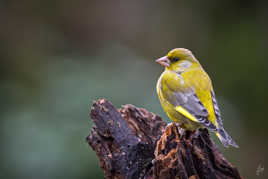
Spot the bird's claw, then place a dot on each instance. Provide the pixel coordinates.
(169, 124)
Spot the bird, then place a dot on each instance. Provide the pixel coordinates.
(186, 95)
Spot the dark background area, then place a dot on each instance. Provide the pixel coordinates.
(58, 56)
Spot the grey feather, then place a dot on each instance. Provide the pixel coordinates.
(190, 101)
(216, 109)
(225, 138)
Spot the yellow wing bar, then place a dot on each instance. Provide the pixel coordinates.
(184, 112)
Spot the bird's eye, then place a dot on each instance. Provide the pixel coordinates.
(175, 59)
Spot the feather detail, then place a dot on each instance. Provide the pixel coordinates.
(216, 110)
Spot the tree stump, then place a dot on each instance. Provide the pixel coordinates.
(133, 143)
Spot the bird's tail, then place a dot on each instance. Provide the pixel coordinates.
(225, 139)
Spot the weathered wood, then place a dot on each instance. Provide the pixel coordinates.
(134, 143)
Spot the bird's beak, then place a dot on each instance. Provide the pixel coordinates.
(164, 61)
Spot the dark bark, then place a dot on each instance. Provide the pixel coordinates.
(134, 143)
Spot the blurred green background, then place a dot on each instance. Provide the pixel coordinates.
(58, 56)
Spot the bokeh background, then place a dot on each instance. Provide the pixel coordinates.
(58, 56)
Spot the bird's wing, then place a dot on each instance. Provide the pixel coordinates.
(186, 102)
(192, 108)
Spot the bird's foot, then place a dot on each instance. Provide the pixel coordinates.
(169, 124)
(181, 130)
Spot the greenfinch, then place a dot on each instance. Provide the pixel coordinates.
(186, 94)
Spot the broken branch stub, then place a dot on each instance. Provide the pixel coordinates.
(133, 143)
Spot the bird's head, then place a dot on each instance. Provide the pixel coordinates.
(176, 58)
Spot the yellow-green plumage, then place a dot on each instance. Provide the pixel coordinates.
(186, 94)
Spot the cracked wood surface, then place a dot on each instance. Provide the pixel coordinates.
(131, 142)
